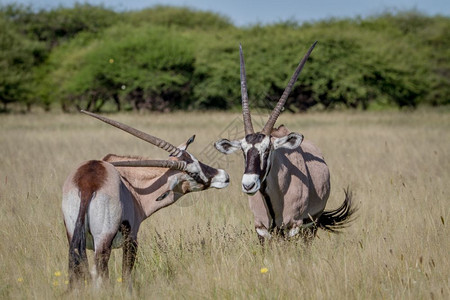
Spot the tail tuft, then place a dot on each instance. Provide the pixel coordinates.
(78, 261)
(77, 247)
(339, 218)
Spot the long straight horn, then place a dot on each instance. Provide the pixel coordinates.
(245, 110)
(277, 110)
(137, 133)
(171, 164)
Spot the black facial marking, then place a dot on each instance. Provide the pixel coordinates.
(253, 162)
(254, 138)
(208, 171)
(269, 206)
(186, 157)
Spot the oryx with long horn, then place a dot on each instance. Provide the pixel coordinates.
(105, 201)
(285, 176)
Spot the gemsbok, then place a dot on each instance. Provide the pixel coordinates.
(286, 177)
(105, 201)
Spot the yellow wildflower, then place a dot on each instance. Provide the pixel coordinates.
(119, 279)
(57, 273)
(111, 60)
(264, 270)
(20, 279)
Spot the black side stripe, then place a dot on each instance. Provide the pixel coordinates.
(269, 206)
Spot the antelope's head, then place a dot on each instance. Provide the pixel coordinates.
(258, 147)
(194, 175)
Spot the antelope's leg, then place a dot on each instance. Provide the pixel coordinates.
(306, 231)
(100, 272)
(129, 254)
(309, 234)
(78, 273)
(263, 234)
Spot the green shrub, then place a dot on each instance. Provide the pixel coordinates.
(181, 17)
(166, 58)
(139, 67)
(18, 56)
(60, 24)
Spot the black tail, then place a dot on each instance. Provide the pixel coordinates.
(335, 220)
(78, 263)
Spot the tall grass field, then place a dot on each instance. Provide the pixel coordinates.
(204, 246)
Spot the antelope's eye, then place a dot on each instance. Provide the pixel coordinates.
(163, 196)
(196, 176)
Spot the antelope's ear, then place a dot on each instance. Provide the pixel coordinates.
(290, 141)
(226, 146)
(185, 145)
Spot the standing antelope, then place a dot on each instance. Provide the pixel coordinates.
(286, 177)
(105, 201)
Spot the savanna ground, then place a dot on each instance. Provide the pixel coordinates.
(204, 246)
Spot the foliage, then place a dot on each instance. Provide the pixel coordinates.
(166, 58)
(181, 18)
(60, 24)
(18, 56)
(141, 67)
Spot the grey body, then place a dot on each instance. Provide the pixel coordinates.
(109, 207)
(297, 186)
(105, 201)
(285, 177)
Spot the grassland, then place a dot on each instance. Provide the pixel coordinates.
(203, 247)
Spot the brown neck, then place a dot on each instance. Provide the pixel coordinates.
(148, 184)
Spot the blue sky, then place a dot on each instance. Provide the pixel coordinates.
(248, 12)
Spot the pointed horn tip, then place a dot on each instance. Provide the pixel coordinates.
(191, 139)
(87, 112)
(314, 45)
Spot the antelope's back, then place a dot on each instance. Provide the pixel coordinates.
(101, 183)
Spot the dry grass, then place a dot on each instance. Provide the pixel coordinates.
(397, 164)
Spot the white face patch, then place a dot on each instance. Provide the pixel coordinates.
(173, 182)
(257, 158)
(256, 173)
(245, 146)
(262, 148)
(195, 168)
(221, 180)
(250, 183)
(264, 144)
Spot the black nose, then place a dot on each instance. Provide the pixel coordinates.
(248, 187)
